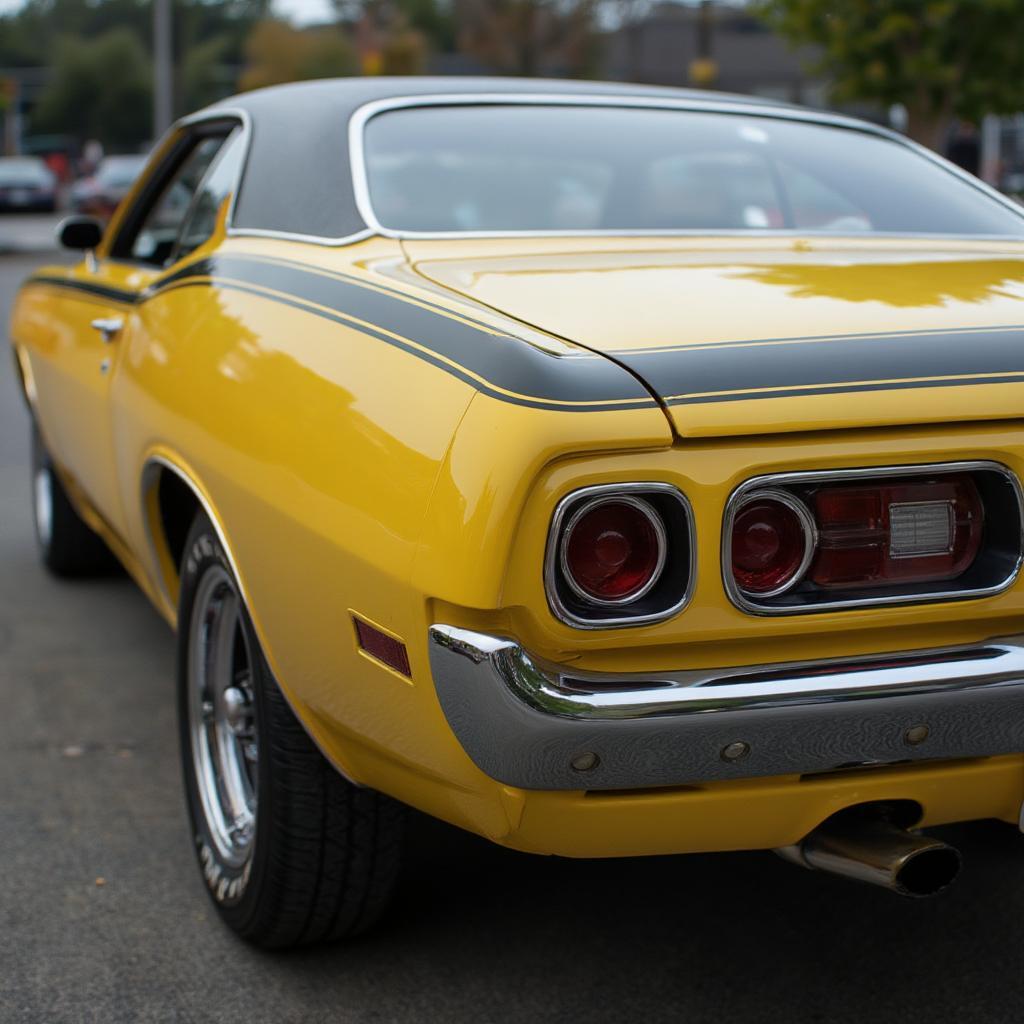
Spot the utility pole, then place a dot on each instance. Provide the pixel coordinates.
(163, 75)
(11, 90)
(991, 144)
(704, 67)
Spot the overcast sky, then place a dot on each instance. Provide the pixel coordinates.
(302, 12)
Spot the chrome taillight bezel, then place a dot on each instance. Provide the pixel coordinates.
(809, 530)
(761, 605)
(583, 612)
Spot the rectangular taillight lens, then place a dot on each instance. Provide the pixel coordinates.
(821, 540)
(910, 531)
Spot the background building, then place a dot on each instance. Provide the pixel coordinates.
(663, 45)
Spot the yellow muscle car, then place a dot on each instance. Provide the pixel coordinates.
(605, 470)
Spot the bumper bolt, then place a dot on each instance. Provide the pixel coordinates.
(735, 751)
(915, 735)
(585, 762)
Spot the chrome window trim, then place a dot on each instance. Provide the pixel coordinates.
(293, 236)
(753, 607)
(597, 501)
(176, 255)
(246, 122)
(230, 230)
(360, 184)
(373, 227)
(158, 155)
(553, 549)
(807, 525)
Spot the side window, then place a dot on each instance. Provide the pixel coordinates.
(201, 218)
(154, 241)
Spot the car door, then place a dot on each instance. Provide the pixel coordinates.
(94, 316)
(86, 316)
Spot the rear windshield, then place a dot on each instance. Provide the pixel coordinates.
(497, 168)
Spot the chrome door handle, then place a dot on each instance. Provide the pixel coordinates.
(109, 327)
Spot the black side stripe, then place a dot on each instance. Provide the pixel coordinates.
(501, 365)
(496, 361)
(838, 365)
(380, 286)
(480, 385)
(788, 340)
(513, 370)
(100, 291)
(849, 389)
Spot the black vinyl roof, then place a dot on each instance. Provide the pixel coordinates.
(297, 178)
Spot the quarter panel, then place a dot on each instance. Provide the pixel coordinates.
(318, 448)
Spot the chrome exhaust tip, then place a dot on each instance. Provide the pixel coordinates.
(867, 844)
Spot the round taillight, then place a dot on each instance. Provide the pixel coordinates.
(772, 543)
(613, 550)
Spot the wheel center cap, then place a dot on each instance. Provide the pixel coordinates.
(236, 709)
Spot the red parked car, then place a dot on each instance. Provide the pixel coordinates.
(100, 193)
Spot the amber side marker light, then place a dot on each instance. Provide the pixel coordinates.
(384, 648)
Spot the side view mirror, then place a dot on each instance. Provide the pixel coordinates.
(79, 232)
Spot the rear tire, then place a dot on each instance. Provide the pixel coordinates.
(291, 852)
(67, 547)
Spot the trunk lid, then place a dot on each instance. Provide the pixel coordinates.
(751, 336)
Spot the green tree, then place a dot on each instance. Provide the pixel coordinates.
(434, 20)
(404, 50)
(531, 37)
(939, 58)
(201, 23)
(394, 37)
(205, 74)
(209, 38)
(101, 89)
(31, 35)
(276, 52)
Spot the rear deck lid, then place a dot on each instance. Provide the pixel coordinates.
(751, 336)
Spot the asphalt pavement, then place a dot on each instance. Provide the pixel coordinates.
(103, 916)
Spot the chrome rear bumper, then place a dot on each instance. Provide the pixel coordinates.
(536, 725)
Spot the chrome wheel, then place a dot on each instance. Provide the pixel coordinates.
(321, 857)
(43, 505)
(222, 717)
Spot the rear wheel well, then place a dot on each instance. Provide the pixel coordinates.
(176, 508)
(19, 372)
